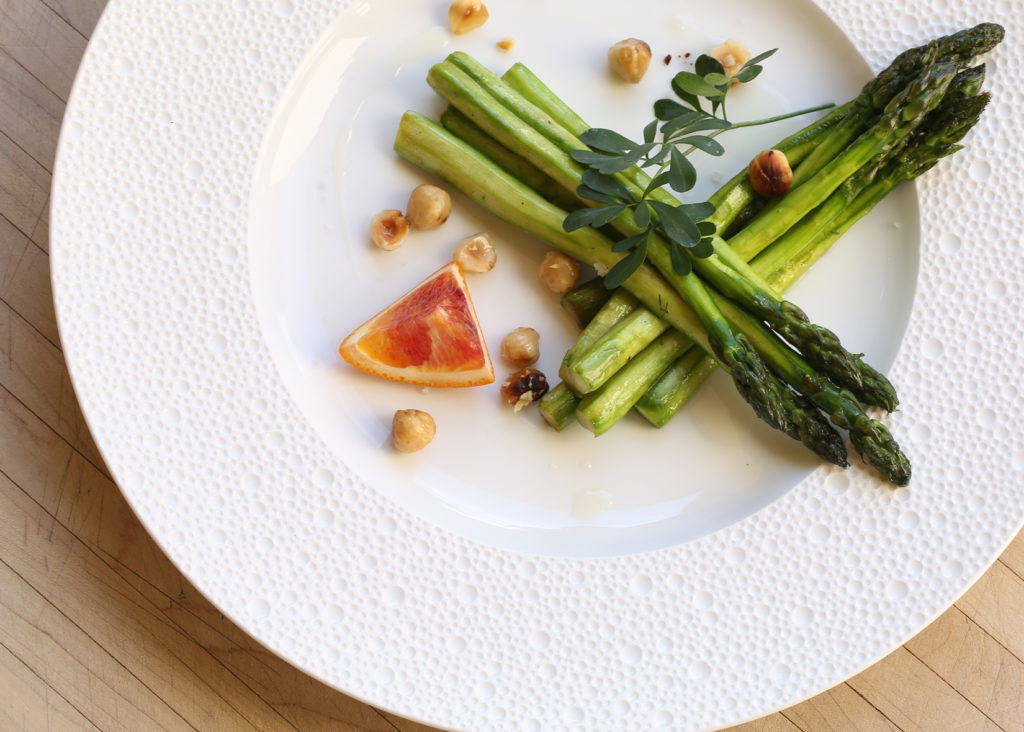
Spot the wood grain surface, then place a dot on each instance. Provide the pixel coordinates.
(99, 630)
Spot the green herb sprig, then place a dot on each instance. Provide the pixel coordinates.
(679, 128)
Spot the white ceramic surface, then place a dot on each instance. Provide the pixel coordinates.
(493, 476)
(214, 175)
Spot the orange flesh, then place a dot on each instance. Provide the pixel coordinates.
(429, 336)
(430, 329)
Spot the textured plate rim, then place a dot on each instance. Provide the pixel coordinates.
(79, 306)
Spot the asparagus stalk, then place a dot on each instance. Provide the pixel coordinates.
(958, 49)
(900, 117)
(461, 126)
(752, 379)
(876, 385)
(558, 406)
(435, 150)
(724, 271)
(615, 309)
(674, 387)
(734, 196)
(613, 350)
(535, 143)
(866, 439)
(601, 409)
(584, 301)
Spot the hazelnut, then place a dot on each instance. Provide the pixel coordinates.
(770, 174)
(412, 430)
(388, 229)
(559, 272)
(629, 59)
(467, 15)
(521, 347)
(476, 253)
(523, 387)
(428, 207)
(732, 55)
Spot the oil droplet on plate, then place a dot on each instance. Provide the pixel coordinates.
(589, 505)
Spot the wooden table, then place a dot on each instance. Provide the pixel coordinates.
(97, 627)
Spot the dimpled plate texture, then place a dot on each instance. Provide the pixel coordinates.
(152, 291)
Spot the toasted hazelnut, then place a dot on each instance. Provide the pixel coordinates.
(476, 253)
(428, 207)
(412, 430)
(629, 59)
(523, 387)
(770, 174)
(732, 55)
(467, 15)
(521, 347)
(507, 43)
(388, 229)
(559, 272)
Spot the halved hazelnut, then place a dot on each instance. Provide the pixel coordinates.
(467, 15)
(388, 229)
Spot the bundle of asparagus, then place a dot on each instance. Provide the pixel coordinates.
(663, 332)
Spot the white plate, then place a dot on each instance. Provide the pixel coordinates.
(217, 169)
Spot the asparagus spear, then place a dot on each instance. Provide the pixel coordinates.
(958, 49)
(584, 301)
(461, 126)
(900, 117)
(792, 255)
(757, 386)
(618, 307)
(558, 406)
(613, 350)
(674, 387)
(428, 145)
(734, 196)
(722, 269)
(600, 409)
(876, 385)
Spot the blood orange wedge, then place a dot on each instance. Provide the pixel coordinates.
(429, 336)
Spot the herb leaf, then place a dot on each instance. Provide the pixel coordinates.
(680, 262)
(705, 144)
(597, 216)
(629, 242)
(680, 127)
(626, 266)
(682, 176)
(693, 84)
(606, 184)
(706, 64)
(679, 227)
(607, 140)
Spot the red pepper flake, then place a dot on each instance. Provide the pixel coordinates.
(686, 55)
(667, 59)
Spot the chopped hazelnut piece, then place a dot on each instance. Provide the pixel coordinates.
(523, 388)
(732, 55)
